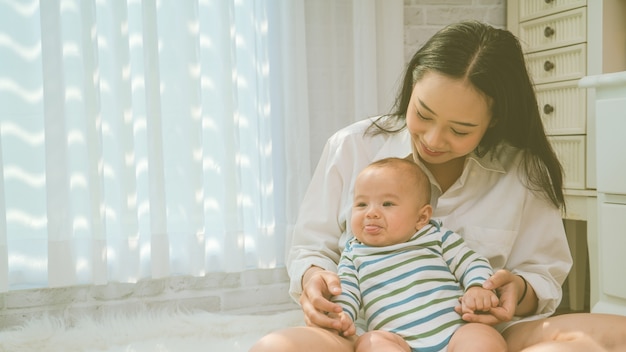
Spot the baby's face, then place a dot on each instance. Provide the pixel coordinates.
(386, 208)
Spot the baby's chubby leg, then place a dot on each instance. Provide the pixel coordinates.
(378, 340)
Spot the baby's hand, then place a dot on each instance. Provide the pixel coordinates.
(477, 300)
(347, 325)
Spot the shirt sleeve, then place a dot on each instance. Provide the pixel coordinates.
(541, 253)
(350, 297)
(467, 266)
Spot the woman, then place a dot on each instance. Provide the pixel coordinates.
(468, 115)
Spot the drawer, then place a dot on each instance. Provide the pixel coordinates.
(563, 107)
(571, 153)
(529, 9)
(562, 29)
(612, 221)
(558, 64)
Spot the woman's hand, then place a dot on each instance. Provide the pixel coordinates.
(318, 286)
(347, 325)
(507, 285)
(478, 300)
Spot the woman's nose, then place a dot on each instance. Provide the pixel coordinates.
(434, 138)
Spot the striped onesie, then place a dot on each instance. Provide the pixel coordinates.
(411, 288)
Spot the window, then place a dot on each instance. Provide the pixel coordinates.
(139, 140)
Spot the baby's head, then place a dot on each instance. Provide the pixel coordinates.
(391, 202)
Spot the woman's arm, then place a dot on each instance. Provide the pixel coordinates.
(315, 238)
(527, 302)
(540, 254)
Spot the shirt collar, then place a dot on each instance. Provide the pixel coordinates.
(490, 161)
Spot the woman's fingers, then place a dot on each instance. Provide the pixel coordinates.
(498, 279)
(317, 291)
(494, 316)
(314, 317)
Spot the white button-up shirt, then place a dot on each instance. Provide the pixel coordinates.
(489, 206)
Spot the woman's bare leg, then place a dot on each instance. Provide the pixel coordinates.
(379, 340)
(477, 337)
(303, 339)
(569, 332)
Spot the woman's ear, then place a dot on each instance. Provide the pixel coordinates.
(425, 214)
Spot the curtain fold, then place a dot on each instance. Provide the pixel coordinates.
(145, 139)
(355, 61)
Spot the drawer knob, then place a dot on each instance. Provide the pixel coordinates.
(548, 32)
(548, 65)
(548, 109)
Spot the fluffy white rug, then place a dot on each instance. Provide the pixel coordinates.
(162, 332)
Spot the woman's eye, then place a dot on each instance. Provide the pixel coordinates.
(422, 116)
(459, 133)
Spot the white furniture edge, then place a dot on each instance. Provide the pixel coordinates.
(606, 79)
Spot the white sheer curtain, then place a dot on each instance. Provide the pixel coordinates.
(144, 139)
(355, 60)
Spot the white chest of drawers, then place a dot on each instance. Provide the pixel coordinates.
(553, 35)
(565, 40)
(610, 108)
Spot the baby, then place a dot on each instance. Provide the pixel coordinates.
(404, 271)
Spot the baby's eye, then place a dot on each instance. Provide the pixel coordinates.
(360, 205)
(387, 204)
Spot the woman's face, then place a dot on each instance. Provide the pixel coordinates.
(446, 117)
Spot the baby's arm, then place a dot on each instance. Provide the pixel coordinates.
(350, 297)
(477, 299)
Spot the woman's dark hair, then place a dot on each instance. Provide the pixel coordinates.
(493, 61)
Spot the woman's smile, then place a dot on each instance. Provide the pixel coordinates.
(430, 152)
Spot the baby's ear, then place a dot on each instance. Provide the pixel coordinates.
(425, 214)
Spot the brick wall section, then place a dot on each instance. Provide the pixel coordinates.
(247, 292)
(422, 18)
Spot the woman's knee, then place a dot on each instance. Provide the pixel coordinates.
(477, 337)
(278, 341)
